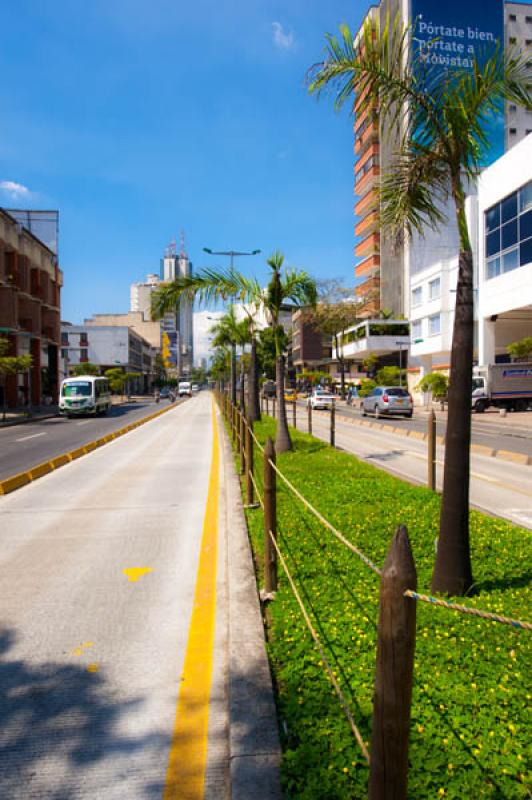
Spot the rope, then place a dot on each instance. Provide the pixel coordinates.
(250, 429)
(341, 697)
(475, 612)
(325, 522)
(254, 482)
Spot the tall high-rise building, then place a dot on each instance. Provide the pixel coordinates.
(178, 324)
(450, 35)
(141, 295)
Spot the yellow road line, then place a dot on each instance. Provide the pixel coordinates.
(185, 776)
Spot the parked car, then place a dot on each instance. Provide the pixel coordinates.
(268, 389)
(388, 400)
(320, 399)
(164, 393)
(290, 395)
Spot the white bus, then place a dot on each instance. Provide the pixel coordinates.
(85, 394)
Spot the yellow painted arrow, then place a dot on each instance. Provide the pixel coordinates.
(134, 573)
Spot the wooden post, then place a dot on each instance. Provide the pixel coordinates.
(431, 448)
(274, 406)
(249, 465)
(294, 414)
(309, 415)
(270, 519)
(396, 641)
(333, 424)
(267, 406)
(242, 449)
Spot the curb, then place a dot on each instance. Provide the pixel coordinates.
(254, 749)
(480, 449)
(15, 482)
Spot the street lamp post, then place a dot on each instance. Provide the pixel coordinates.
(253, 372)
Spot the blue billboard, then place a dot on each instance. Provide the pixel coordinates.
(451, 35)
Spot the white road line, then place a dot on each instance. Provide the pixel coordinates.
(86, 422)
(33, 436)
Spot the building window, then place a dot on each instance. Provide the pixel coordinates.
(434, 289)
(434, 325)
(512, 40)
(417, 329)
(508, 233)
(83, 340)
(512, 108)
(513, 131)
(513, 18)
(84, 355)
(417, 296)
(64, 338)
(64, 352)
(528, 20)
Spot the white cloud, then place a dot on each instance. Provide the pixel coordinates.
(203, 321)
(15, 191)
(282, 39)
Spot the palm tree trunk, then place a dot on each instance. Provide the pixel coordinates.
(282, 439)
(253, 385)
(233, 373)
(452, 570)
(242, 399)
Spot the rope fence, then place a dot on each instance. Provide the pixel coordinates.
(475, 612)
(343, 702)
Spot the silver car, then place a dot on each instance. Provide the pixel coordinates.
(388, 400)
(320, 399)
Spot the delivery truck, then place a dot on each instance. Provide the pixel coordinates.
(503, 386)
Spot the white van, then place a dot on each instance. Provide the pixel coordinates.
(86, 394)
(184, 389)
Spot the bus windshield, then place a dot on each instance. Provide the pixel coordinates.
(77, 389)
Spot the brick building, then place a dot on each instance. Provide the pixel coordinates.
(30, 286)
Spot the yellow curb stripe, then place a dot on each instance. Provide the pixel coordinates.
(185, 776)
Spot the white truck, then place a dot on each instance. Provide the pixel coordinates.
(503, 386)
(184, 389)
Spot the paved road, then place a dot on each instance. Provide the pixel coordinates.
(99, 563)
(498, 487)
(24, 446)
(513, 433)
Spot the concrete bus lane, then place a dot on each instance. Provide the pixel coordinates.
(25, 446)
(498, 487)
(104, 565)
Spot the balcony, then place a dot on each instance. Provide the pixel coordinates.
(364, 183)
(367, 204)
(8, 307)
(369, 246)
(377, 337)
(369, 266)
(368, 224)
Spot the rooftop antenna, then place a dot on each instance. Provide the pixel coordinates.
(171, 249)
(182, 252)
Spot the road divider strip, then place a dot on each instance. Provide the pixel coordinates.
(14, 482)
(480, 449)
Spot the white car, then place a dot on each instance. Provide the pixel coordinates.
(320, 399)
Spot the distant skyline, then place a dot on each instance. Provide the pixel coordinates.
(138, 120)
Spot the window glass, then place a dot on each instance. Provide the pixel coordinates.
(526, 252)
(525, 225)
(493, 218)
(509, 207)
(417, 329)
(493, 268)
(77, 389)
(397, 392)
(493, 243)
(434, 289)
(510, 260)
(434, 324)
(417, 296)
(509, 234)
(525, 197)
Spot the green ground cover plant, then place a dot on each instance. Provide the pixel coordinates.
(471, 678)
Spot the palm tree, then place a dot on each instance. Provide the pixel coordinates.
(229, 332)
(299, 289)
(438, 121)
(209, 285)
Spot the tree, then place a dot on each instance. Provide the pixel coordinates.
(388, 376)
(437, 119)
(85, 369)
(198, 375)
(436, 383)
(334, 313)
(10, 365)
(266, 352)
(521, 350)
(117, 379)
(288, 285)
(228, 331)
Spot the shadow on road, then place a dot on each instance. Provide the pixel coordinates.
(57, 723)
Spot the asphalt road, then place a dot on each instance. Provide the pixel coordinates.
(498, 487)
(99, 562)
(513, 433)
(24, 446)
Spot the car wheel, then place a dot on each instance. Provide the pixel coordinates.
(377, 412)
(520, 405)
(409, 414)
(362, 410)
(480, 406)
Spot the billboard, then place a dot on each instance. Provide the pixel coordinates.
(450, 35)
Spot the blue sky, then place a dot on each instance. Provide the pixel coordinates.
(136, 119)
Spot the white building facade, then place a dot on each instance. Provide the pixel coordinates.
(141, 293)
(178, 324)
